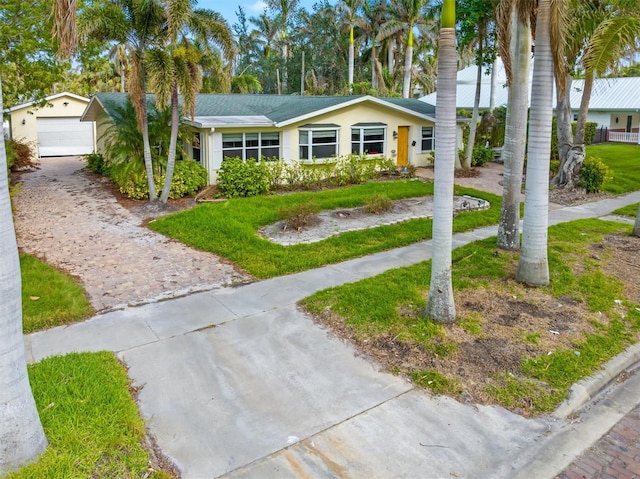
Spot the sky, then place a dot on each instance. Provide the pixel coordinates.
(253, 8)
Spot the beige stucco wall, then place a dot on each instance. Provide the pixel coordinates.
(29, 114)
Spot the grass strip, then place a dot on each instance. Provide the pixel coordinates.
(629, 210)
(392, 304)
(50, 297)
(90, 420)
(229, 229)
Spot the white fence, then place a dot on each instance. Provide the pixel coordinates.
(622, 137)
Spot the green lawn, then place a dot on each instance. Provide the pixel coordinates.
(629, 210)
(229, 229)
(90, 420)
(391, 305)
(50, 297)
(623, 161)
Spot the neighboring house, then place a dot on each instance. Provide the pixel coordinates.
(614, 104)
(297, 128)
(54, 129)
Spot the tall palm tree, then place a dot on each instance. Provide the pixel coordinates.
(118, 56)
(440, 304)
(533, 266)
(374, 13)
(405, 15)
(514, 32)
(348, 10)
(636, 226)
(136, 24)
(174, 68)
(22, 438)
(285, 9)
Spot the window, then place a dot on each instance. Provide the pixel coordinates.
(318, 142)
(427, 138)
(368, 139)
(195, 148)
(251, 145)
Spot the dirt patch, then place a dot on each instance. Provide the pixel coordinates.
(498, 327)
(574, 196)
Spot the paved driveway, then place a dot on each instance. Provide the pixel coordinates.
(65, 216)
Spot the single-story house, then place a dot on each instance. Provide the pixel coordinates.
(614, 103)
(298, 128)
(54, 129)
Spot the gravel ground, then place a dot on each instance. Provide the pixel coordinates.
(66, 216)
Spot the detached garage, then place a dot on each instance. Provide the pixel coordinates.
(55, 129)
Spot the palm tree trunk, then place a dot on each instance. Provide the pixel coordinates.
(351, 59)
(374, 73)
(440, 303)
(408, 61)
(173, 142)
(563, 130)
(533, 267)
(474, 116)
(494, 87)
(515, 137)
(391, 46)
(148, 162)
(22, 438)
(584, 107)
(636, 226)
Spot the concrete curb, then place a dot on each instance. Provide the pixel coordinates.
(584, 390)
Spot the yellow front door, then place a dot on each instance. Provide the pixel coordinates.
(403, 145)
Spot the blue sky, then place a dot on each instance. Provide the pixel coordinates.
(253, 8)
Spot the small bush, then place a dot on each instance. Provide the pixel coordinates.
(298, 216)
(96, 163)
(378, 204)
(593, 174)
(481, 156)
(19, 154)
(134, 187)
(189, 176)
(238, 178)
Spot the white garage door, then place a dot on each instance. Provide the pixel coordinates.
(64, 137)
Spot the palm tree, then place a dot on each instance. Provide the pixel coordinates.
(136, 24)
(348, 9)
(174, 68)
(514, 31)
(636, 226)
(118, 56)
(22, 438)
(533, 267)
(374, 13)
(285, 10)
(405, 15)
(440, 304)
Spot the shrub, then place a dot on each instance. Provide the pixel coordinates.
(554, 167)
(593, 174)
(189, 176)
(481, 156)
(96, 163)
(243, 178)
(378, 204)
(298, 216)
(19, 154)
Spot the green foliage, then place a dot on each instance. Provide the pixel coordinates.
(238, 178)
(554, 167)
(96, 163)
(436, 381)
(523, 393)
(298, 216)
(19, 154)
(189, 177)
(50, 297)
(629, 210)
(593, 175)
(90, 420)
(481, 156)
(378, 204)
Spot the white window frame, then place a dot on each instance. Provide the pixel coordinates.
(362, 143)
(432, 138)
(310, 130)
(244, 147)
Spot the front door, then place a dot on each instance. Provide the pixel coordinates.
(629, 121)
(403, 145)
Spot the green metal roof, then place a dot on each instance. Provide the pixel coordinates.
(276, 108)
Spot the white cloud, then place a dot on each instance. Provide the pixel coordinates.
(258, 6)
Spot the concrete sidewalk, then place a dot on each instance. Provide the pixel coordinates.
(237, 382)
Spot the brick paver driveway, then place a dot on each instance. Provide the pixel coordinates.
(65, 216)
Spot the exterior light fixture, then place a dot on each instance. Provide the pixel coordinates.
(395, 135)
